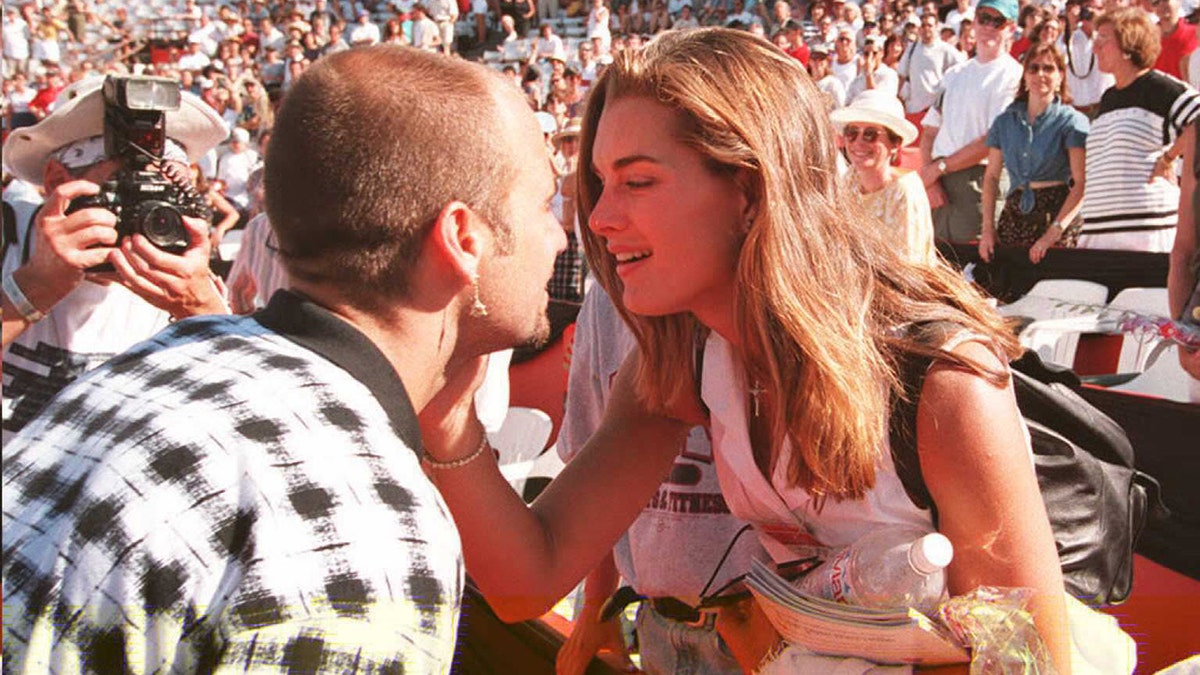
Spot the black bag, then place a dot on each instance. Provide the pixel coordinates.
(1096, 500)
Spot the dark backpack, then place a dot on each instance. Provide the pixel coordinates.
(1096, 500)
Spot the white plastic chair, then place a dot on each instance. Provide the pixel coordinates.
(1061, 309)
(1165, 378)
(520, 441)
(544, 469)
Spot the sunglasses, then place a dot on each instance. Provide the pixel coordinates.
(990, 20)
(870, 134)
(1047, 68)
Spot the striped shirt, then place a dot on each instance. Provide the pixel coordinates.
(1134, 126)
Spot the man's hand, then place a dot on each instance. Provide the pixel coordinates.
(747, 632)
(449, 426)
(64, 246)
(179, 284)
(929, 176)
(588, 637)
(936, 195)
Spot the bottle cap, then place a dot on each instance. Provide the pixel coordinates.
(931, 553)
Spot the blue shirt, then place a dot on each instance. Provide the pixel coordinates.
(1038, 152)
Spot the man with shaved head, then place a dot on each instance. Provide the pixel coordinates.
(250, 493)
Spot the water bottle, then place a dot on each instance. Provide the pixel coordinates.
(893, 567)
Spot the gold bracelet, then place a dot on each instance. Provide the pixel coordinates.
(454, 464)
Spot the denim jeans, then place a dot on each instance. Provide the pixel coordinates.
(670, 647)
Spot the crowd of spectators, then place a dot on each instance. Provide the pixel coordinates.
(241, 58)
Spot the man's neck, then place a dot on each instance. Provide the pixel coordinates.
(416, 342)
(987, 54)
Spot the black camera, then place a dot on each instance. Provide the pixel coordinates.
(148, 204)
(147, 197)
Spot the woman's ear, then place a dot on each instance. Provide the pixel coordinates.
(751, 190)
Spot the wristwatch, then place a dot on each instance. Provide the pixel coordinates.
(941, 166)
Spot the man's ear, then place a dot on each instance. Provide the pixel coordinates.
(55, 174)
(458, 238)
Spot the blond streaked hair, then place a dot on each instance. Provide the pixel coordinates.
(819, 290)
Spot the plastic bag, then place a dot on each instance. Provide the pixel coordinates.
(997, 626)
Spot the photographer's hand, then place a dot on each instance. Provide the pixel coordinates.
(63, 246)
(180, 284)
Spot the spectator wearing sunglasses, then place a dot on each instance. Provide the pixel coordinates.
(873, 130)
(953, 146)
(1040, 139)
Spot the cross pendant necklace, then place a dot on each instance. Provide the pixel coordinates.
(756, 391)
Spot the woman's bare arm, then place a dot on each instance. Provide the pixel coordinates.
(521, 555)
(975, 461)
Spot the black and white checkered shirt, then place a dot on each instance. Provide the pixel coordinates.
(238, 493)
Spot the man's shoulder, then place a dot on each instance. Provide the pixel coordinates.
(1184, 32)
(953, 73)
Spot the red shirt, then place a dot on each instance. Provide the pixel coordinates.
(1177, 45)
(800, 53)
(1018, 48)
(42, 101)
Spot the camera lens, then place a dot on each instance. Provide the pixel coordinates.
(162, 224)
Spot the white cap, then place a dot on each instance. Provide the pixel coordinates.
(931, 553)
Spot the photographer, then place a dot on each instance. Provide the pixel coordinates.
(60, 320)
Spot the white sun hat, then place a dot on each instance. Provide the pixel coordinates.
(876, 107)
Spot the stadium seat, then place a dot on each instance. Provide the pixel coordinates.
(520, 441)
(1059, 309)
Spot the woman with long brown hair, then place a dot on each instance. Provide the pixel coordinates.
(717, 222)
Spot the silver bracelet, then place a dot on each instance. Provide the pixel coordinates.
(21, 303)
(454, 464)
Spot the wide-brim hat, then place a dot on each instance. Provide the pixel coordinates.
(195, 126)
(876, 107)
(573, 128)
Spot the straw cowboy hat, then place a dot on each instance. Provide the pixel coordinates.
(80, 115)
(573, 128)
(876, 107)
